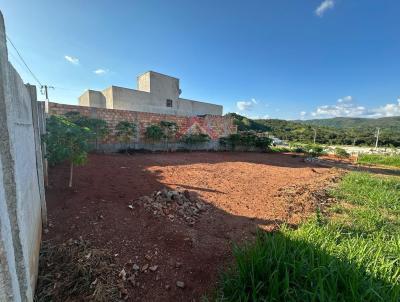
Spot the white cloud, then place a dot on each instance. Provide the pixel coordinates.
(72, 60)
(324, 6)
(346, 107)
(348, 98)
(246, 105)
(100, 71)
(303, 114)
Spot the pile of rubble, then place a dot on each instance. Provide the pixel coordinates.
(175, 204)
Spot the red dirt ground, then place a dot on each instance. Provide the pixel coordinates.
(243, 191)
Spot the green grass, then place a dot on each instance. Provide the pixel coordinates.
(377, 159)
(351, 255)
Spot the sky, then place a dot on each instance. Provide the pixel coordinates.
(284, 59)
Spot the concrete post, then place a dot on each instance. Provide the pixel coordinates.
(38, 149)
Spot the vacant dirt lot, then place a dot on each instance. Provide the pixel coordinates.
(242, 191)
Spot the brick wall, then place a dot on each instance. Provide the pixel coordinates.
(214, 125)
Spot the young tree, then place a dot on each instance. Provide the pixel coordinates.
(98, 127)
(126, 132)
(169, 130)
(66, 140)
(154, 133)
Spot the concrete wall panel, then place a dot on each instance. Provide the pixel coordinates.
(20, 202)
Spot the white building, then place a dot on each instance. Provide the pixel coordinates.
(156, 93)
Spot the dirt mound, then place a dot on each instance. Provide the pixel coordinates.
(174, 204)
(306, 198)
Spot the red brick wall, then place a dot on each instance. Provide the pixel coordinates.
(215, 126)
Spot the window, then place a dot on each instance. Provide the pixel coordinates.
(169, 103)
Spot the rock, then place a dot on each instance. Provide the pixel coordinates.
(130, 206)
(180, 284)
(145, 267)
(131, 279)
(153, 268)
(135, 267)
(167, 287)
(122, 274)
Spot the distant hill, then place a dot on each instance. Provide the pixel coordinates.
(351, 122)
(335, 131)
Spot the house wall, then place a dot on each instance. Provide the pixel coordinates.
(20, 183)
(214, 125)
(153, 91)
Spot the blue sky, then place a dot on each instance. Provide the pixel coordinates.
(261, 58)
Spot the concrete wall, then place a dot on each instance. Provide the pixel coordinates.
(154, 91)
(20, 193)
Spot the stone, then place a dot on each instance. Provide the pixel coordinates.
(145, 267)
(153, 268)
(180, 284)
(135, 267)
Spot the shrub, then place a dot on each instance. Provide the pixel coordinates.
(263, 142)
(313, 150)
(154, 133)
(195, 138)
(342, 153)
(246, 139)
(125, 132)
(170, 130)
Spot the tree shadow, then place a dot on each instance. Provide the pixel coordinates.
(103, 208)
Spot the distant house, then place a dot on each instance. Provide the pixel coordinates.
(278, 142)
(156, 93)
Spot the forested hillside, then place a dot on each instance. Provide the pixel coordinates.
(349, 122)
(340, 131)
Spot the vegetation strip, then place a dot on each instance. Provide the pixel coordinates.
(379, 159)
(350, 255)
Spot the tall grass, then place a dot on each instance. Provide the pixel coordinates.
(378, 159)
(353, 255)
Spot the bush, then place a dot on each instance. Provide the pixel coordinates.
(125, 132)
(154, 133)
(342, 153)
(246, 139)
(313, 150)
(195, 138)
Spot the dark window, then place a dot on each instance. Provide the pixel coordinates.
(169, 103)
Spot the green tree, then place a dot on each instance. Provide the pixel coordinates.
(66, 140)
(125, 132)
(98, 127)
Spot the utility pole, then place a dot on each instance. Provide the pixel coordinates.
(377, 137)
(315, 135)
(46, 93)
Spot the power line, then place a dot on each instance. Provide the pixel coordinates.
(23, 61)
